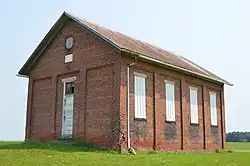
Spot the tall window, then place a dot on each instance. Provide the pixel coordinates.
(140, 95)
(170, 101)
(194, 105)
(213, 108)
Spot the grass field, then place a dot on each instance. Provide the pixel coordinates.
(21, 154)
(239, 146)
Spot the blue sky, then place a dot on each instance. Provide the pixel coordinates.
(215, 34)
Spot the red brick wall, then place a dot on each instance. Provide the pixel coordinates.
(193, 134)
(213, 134)
(181, 135)
(94, 60)
(142, 135)
(41, 121)
(168, 134)
(100, 99)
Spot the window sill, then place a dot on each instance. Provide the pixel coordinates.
(194, 124)
(214, 126)
(170, 122)
(140, 119)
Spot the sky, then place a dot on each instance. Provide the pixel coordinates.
(214, 34)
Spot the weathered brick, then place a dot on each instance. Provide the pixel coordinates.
(100, 114)
(96, 101)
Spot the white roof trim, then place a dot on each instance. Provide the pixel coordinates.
(182, 69)
(78, 20)
(192, 64)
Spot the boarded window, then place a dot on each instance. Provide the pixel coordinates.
(213, 109)
(194, 105)
(170, 101)
(140, 95)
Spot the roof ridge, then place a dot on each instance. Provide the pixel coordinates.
(154, 48)
(124, 34)
(123, 42)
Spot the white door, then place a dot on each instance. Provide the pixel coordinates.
(68, 109)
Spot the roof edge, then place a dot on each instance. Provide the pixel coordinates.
(23, 76)
(78, 21)
(177, 67)
(58, 25)
(144, 56)
(51, 34)
(43, 44)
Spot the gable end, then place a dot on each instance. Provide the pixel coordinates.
(64, 18)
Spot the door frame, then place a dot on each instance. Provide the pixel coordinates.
(64, 81)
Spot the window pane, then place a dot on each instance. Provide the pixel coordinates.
(170, 102)
(213, 109)
(140, 97)
(194, 106)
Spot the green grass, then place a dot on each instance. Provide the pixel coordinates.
(26, 154)
(238, 146)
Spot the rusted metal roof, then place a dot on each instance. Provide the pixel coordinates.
(127, 43)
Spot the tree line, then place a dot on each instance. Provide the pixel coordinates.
(237, 136)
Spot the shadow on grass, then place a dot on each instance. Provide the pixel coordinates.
(69, 146)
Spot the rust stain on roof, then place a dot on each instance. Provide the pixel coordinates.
(129, 43)
(124, 42)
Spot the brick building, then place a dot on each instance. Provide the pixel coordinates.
(80, 76)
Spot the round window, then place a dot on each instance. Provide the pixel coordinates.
(69, 42)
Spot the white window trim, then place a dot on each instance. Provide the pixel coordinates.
(64, 81)
(69, 79)
(213, 93)
(196, 89)
(171, 83)
(193, 88)
(140, 75)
